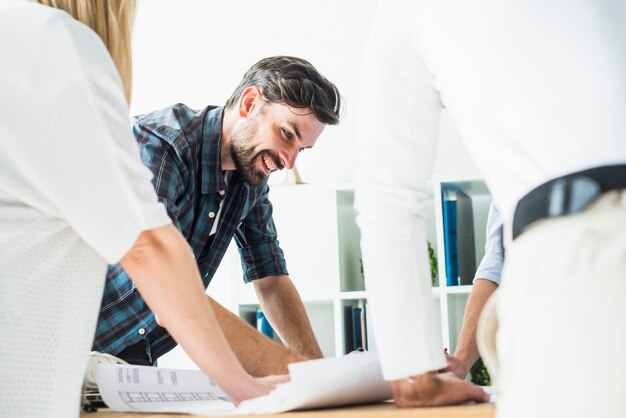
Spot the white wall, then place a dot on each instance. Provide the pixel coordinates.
(196, 51)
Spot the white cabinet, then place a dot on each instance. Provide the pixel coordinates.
(317, 231)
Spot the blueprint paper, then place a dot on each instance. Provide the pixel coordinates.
(346, 380)
(131, 388)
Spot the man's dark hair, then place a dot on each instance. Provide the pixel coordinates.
(294, 82)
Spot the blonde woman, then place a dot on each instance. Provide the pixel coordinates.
(74, 196)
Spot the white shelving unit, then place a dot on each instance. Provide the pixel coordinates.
(317, 231)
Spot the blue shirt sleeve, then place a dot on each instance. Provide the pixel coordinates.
(490, 267)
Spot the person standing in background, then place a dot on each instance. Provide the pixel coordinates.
(486, 281)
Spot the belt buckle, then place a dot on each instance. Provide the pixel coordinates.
(572, 195)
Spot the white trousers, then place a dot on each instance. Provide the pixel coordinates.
(558, 321)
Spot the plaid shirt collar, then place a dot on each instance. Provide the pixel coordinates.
(212, 175)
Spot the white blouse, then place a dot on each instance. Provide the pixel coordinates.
(74, 196)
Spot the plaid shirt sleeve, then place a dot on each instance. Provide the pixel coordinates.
(160, 157)
(123, 311)
(256, 237)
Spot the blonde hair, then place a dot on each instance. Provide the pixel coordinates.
(112, 20)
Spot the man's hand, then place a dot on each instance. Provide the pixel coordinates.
(456, 366)
(433, 389)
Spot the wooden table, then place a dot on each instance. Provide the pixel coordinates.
(379, 410)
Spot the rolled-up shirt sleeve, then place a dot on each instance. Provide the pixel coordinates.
(257, 239)
(490, 267)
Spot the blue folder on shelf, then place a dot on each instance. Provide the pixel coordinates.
(263, 325)
(450, 238)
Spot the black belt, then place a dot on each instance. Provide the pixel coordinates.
(568, 194)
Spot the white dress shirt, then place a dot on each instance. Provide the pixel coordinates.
(537, 90)
(74, 196)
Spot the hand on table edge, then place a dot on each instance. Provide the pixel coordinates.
(435, 389)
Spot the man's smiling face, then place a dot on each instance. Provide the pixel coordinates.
(270, 138)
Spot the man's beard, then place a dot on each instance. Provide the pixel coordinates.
(244, 156)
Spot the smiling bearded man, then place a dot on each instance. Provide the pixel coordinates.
(210, 170)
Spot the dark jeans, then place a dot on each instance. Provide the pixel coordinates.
(136, 354)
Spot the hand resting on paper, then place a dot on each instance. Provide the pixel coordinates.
(433, 389)
(264, 385)
(272, 380)
(455, 366)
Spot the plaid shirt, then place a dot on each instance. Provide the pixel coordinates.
(182, 148)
